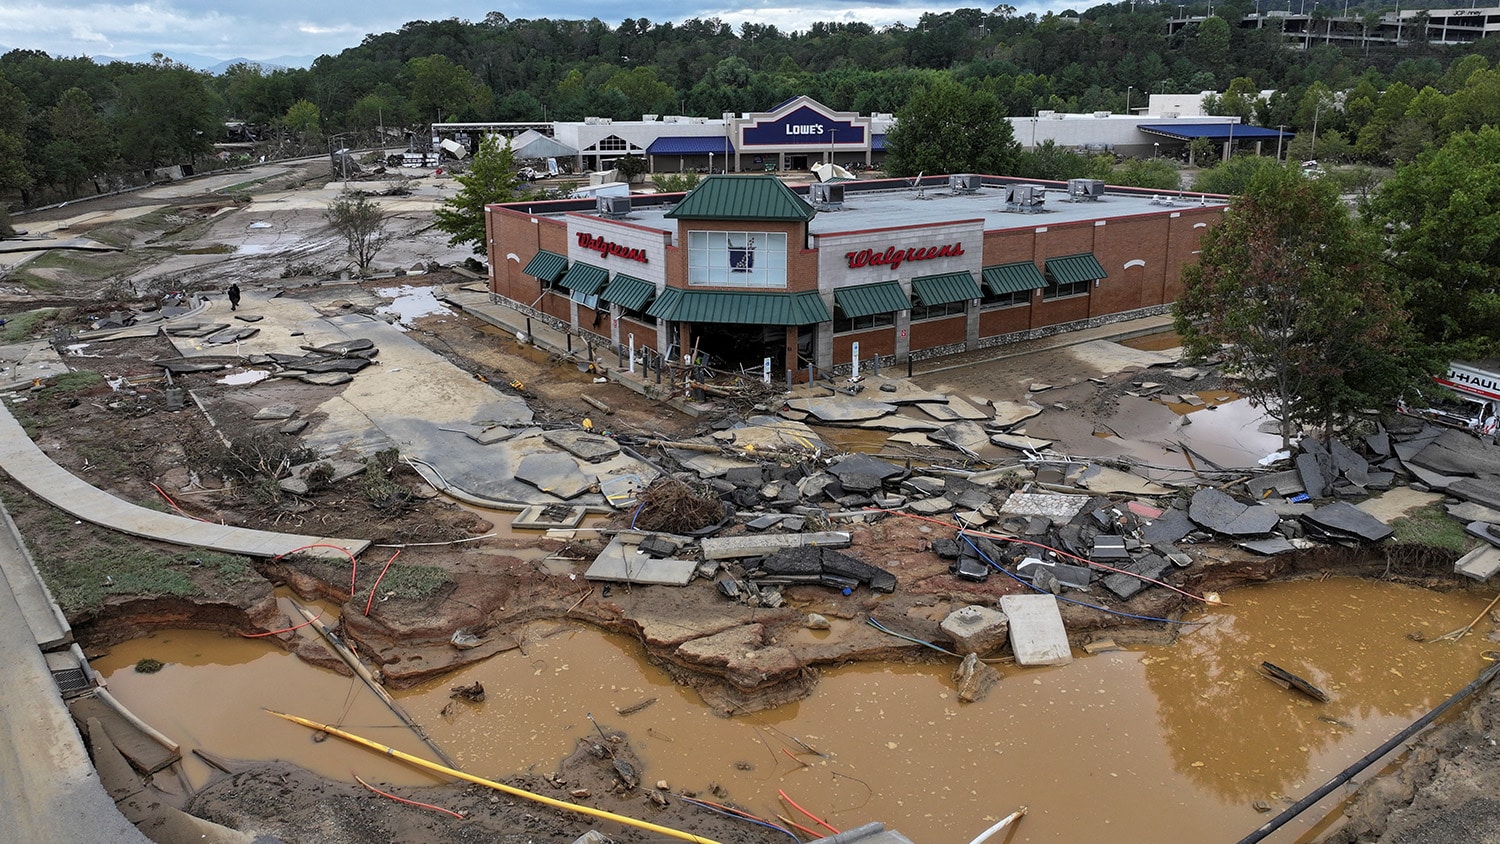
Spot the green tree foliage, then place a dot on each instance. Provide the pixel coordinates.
(675, 182)
(1441, 216)
(166, 114)
(947, 128)
(15, 175)
(303, 120)
(1154, 173)
(361, 223)
(491, 178)
(443, 89)
(1050, 161)
(81, 146)
(1234, 176)
(1291, 293)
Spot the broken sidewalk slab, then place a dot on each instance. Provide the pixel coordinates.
(900, 424)
(557, 474)
(1020, 442)
(863, 464)
(492, 434)
(1479, 564)
(1341, 517)
(1059, 507)
(1220, 513)
(507, 410)
(1285, 484)
(835, 409)
(964, 435)
(590, 448)
(621, 563)
(1486, 531)
(735, 547)
(953, 410)
(1037, 634)
(324, 379)
(772, 433)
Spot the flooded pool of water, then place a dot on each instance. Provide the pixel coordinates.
(1115, 747)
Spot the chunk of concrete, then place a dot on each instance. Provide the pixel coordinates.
(1479, 564)
(1217, 511)
(974, 679)
(621, 563)
(977, 630)
(1058, 507)
(1037, 634)
(843, 409)
(491, 435)
(864, 464)
(590, 448)
(1343, 517)
(553, 473)
(952, 410)
(549, 517)
(736, 547)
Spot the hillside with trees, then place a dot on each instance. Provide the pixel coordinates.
(70, 127)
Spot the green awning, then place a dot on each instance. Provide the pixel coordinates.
(628, 292)
(1071, 269)
(737, 308)
(547, 266)
(585, 279)
(882, 297)
(945, 288)
(1013, 278)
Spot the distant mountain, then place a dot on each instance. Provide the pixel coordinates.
(210, 64)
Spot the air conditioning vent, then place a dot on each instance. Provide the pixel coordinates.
(965, 183)
(1085, 190)
(614, 207)
(1025, 199)
(825, 196)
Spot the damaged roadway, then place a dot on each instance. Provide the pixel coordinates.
(1125, 500)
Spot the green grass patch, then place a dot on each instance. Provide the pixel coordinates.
(73, 382)
(1431, 527)
(23, 325)
(84, 574)
(414, 583)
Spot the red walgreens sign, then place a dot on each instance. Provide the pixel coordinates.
(606, 248)
(893, 257)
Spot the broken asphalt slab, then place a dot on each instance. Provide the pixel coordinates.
(1220, 513)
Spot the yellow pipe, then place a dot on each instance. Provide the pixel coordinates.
(511, 790)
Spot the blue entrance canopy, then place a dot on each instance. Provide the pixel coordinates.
(1180, 131)
(690, 145)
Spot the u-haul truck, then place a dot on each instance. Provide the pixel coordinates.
(1476, 397)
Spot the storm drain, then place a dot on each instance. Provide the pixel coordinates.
(71, 681)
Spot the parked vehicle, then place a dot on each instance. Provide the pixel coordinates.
(1472, 400)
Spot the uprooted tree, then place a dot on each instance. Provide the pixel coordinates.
(1291, 293)
(361, 223)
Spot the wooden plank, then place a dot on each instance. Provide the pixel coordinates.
(1290, 680)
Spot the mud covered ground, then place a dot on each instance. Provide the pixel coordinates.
(125, 440)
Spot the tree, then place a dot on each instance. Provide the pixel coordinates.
(441, 88)
(1290, 291)
(303, 120)
(947, 128)
(1235, 175)
(1154, 173)
(1050, 161)
(81, 147)
(166, 112)
(361, 223)
(1441, 218)
(631, 166)
(491, 178)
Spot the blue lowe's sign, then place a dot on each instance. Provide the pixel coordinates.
(802, 127)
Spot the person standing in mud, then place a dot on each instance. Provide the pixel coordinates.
(234, 297)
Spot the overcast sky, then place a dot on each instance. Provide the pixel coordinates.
(269, 29)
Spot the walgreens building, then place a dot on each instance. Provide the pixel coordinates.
(744, 268)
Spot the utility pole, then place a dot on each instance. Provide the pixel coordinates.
(1280, 133)
(1128, 89)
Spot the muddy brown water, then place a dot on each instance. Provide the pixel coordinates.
(1121, 746)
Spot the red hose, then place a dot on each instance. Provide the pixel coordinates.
(819, 821)
(284, 629)
(180, 511)
(370, 602)
(458, 815)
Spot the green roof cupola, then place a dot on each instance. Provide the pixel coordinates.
(757, 198)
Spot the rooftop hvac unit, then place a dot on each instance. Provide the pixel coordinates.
(965, 183)
(1025, 198)
(825, 196)
(1085, 190)
(615, 207)
(1171, 115)
(1102, 113)
(1045, 113)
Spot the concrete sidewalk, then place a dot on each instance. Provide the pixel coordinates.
(25, 462)
(52, 790)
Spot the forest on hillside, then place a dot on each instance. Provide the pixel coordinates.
(70, 126)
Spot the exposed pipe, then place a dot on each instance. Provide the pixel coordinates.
(1370, 758)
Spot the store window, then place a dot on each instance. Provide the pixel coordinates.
(737, 259)
(947, 309)
(1066, 289)
(992, 301)
(842, 322)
